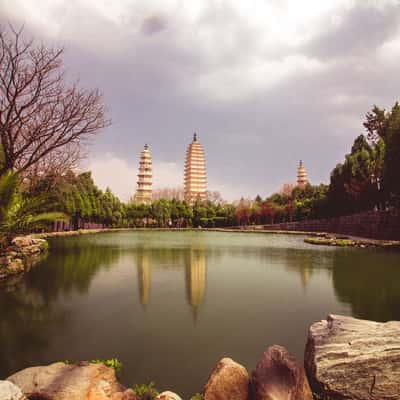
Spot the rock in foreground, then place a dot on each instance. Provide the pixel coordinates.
(168, 396)
(348, 358)
(8, 391)
(61, 381)
(228, 381)
(279, 376)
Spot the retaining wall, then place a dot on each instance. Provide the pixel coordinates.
(373, 224)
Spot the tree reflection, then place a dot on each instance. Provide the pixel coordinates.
(368, 280)
(32, 311)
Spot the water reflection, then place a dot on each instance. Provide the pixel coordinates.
(185, 282)
(307, 263)
(369, 281)
(195, 271)
(144, 275)
(191, 260)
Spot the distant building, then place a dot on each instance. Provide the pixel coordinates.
(302, 179)
(145, 177)
(195, 173)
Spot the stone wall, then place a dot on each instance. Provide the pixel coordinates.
(21, 255)
(383, 225)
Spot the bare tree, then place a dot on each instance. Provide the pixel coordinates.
(43, 121)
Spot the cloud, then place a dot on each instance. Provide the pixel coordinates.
(265, 84)
(153, 24)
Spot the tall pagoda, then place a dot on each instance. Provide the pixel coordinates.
(145, 177)
(302, 179)
(195, 173)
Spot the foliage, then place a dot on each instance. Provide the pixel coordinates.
(146, 391)
(20, 214)
(353, 184)
(113, 363)
(197, 396)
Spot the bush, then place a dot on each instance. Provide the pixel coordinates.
(113, 363)
(146, 391)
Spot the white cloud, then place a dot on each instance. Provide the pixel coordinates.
(115, 173)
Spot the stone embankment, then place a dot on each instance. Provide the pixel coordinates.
(345, 358)
(383, 225)
(23, 253)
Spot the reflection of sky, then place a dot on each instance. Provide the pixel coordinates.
(160, 301)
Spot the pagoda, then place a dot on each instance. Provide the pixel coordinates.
(145, 177)
(195, 173)
(302, 179)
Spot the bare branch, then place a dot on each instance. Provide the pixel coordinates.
(41, 117)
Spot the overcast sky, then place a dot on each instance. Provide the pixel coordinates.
(263, 83)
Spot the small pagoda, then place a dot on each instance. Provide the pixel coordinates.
(145, 177)
(302, 179)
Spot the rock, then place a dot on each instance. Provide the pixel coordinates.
(59, 381)
(15, 266)
(279, 376)
(9, 391)
(168, 396)
(129, 394)
(348, 358)
(22, 241)
(228, 381)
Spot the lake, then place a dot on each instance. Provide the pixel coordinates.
(169, 305)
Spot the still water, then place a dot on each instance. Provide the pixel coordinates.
(169, 305)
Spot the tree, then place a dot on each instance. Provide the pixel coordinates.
(42, 118)
(268, 212)
(352, 187)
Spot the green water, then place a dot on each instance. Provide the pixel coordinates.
(170, 304)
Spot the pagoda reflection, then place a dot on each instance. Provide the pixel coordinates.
(195, 271)
(144, 275)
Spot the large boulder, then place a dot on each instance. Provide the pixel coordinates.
(228, 381)
(348, 358)
(9, 391)
(60, 381)
(279, 376)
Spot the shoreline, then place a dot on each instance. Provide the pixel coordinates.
(314, 238)
(15, 261)
(277, 374)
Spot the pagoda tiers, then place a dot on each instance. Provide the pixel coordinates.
(302, 179)
(195, 173)
(145, 177)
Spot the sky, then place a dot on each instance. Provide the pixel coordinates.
(263, 83)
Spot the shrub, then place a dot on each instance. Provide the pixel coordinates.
(146, 391)
(113, 363)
